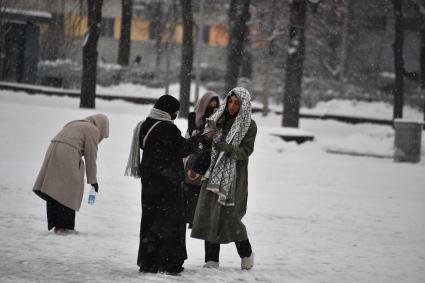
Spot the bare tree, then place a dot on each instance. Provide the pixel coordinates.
(238, 17)
(199, 34)
(420, 8)
(294, 64)
(125, 37)
(158, 27)
(169, 46)
(422, 46)
(269, 19)
(329, 34)
(89, 74)
(187, 57)
(271, 34)
(4, 4)
(398, 60)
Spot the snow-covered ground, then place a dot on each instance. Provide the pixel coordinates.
(312, 216)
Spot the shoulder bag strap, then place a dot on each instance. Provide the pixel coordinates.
(150, 130)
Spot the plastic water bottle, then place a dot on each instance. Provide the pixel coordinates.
(92, 196)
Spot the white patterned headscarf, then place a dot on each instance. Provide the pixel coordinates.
(221, 174)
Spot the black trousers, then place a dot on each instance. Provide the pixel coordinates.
(212, 250)
(59, 216)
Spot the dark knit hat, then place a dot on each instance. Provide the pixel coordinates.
(167, 103)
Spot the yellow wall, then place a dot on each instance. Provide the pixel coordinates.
(218, 36)
(117, 27)
(178, 34)
(75, 25)
(139, 29)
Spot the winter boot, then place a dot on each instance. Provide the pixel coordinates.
(247, 262)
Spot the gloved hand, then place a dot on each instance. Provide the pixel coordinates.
(224, 146)
(96, 187)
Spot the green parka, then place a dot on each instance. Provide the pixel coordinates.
(223, 224)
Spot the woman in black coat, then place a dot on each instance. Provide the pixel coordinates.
(162, 230)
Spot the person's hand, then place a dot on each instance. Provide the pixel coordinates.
(212, 134)
(224, 146)
(96, 187)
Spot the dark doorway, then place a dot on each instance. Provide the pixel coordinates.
(14, 50)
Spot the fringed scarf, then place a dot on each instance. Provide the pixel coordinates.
(221, 174)
(133, 163)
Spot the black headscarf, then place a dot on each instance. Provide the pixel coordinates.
(167, 103)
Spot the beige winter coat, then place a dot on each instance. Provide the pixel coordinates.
(62, 173)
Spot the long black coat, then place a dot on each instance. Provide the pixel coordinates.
(162, 230)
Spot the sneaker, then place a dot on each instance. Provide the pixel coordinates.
(247, 262)
(211, 264)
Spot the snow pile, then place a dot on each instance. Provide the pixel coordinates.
(354, 108)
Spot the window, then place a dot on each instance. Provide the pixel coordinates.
(139, 30)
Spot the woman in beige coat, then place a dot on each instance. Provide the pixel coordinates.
(61, 179)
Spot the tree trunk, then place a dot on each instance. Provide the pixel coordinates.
(246, 62)
(344, 43)
(267, 85)
(238, 16)
(3, 6)
(169, 46)
(88, 81)
(422, 57)
(199, 34)
(398, 60)
(352, 66)
(125, 38)
(187, 57)
(157, 21)
(270, 52)
(294, 64)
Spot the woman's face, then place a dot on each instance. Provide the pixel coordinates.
(213, 103)
(233, 105)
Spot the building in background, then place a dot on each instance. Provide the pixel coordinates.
(20, 44)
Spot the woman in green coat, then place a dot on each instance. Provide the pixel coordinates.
(224, 194)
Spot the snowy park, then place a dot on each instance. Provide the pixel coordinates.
(128, 128)
(313, 216)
